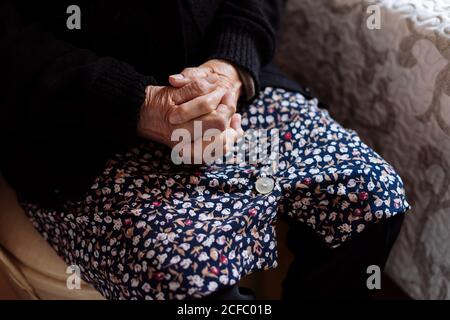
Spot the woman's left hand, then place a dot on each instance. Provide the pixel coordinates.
(221, 71)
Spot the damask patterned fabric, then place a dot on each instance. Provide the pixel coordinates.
(150, 229)
(392, 85)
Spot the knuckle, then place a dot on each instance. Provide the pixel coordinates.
(220, 123)
(169, 101)
(188, 71)
(209, 103)
(205, 105)
(181, 113)
(232, 108)
(200, 86)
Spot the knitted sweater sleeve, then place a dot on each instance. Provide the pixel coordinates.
(52, 87)
(245, 34)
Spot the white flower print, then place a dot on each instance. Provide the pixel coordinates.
(146, 287)
(341, 190)
(330, 190)
(312, 220)
(170, 182)
(379, 214)
(237, 205)
(175, 260)
(208, 242)
(136, 212)
(203, 256)
(214, 183)
(351, 183)
(346, 228)
(224, 279)
(183, 232)
(173, 286)
(196, 280)
(185, 263)
(209, 205)
(162, 258)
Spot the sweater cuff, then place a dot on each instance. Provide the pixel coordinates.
(238, 45)
(120, 91)
(248, 85)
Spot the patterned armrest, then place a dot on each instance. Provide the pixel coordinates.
(392, 85)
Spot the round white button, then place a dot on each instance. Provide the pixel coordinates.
(265, 185)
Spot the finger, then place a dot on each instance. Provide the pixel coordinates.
(199, 127)
(178, 80)
(231, 136)
(197, 149)
(189, 74)
(182, 81)
(197, 72)
(191, 91)
(197, 107)
(226, 112)
(231, 98)
(223, 143)
(236, 124)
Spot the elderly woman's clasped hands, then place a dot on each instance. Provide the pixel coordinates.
(206, 95)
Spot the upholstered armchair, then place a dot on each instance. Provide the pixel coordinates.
(392, 85)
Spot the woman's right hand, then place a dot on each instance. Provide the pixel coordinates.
(161, 102)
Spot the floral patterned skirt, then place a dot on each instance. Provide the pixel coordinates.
(149, 229)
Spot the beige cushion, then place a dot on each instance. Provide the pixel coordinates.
(30, 254)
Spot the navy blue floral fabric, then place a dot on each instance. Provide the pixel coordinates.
(149, 229)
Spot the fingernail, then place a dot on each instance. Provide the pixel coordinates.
(177, 76)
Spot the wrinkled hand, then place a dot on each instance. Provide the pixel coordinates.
(197, 101)
(226, 77)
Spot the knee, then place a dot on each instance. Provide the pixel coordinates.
(375, 190)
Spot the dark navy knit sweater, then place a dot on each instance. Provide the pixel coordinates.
(70, 98)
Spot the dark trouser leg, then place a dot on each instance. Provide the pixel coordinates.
(322, 273)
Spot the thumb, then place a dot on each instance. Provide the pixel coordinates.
(178, 80)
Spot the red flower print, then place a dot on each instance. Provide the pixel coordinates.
(252, 212)
(223, 259)
(214, 271)
(159, 276)
(363, 196)
(288, 136)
